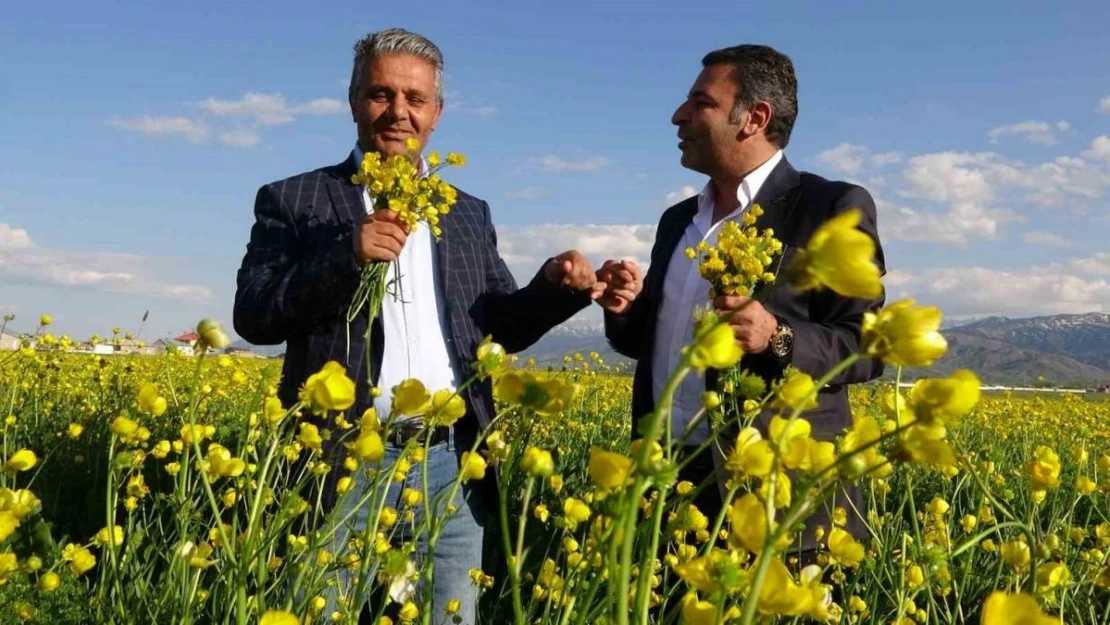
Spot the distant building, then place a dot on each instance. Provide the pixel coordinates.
(11, 342)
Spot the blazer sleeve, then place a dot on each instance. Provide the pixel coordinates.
(282, 289)
(517, 318)
(832, 331)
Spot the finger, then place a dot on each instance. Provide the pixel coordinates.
(394, 233)
(597, 290)
(386, 243)
(624, 294)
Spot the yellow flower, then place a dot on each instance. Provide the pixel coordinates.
(410, 398)
(309, 436)
(1085, 485)
(22, 460)
(697, 612)
(781, 594)
(1052, 574)
(409, 612)
(1044, 470)
(537, 462)
(279, 617)
(575, 512)
(446, 408)
(945, 399)
(491, 357)
(273, 410)
(114, 537)
(190, 433)
(1001, 608)
(80, 559)
(368, 446)
(329, 389)
(45, 320)
(609, 470)
(841, 257)
(8, 524)
(212, 335)
(50, 582)
(797, 392)
(456, 159)
(751, 455)
(714, 346)
(903, 334)
(1015, 553)
(150, 401)
(472, 466)
(74, 430)
(124, 427)
(748, 522)
(844, 549)
(9, 564)
(222, 464)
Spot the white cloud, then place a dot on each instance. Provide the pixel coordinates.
(193, 130)
(1104, 104)
(269, 109)
(1031, 131)
(240, 138)
(1048, 289)
(846, 158)
(527, 193)
(24, 262)
(886, 158)
(257, 109)
(674, 197)
(561, 165)
(968, 185)
(1037, 237)
(524, 248)
(1100, 148)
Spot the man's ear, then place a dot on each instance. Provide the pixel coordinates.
(759, 117)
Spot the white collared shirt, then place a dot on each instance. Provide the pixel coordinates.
(683, 290)
(414, 317)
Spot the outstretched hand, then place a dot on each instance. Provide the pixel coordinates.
(572, 270)
(624, 280)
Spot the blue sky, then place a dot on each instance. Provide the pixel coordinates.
(136, 135)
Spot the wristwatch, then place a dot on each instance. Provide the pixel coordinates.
(782, 341)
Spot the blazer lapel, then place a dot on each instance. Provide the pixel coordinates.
(346, 197)
(778, 197)
(669, 237)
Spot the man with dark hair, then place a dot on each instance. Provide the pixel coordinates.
(312, 235)
(733, 126)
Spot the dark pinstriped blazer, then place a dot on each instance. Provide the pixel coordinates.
(826, 325)
(300, 272)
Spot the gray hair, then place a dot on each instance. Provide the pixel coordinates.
(395, 41)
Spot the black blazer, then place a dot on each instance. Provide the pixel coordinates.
(300, 272)
(826, 325)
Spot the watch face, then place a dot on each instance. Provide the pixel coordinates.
(780, 345)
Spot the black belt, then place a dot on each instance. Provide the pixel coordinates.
(401, 433)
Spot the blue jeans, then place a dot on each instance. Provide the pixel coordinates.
(459, 547)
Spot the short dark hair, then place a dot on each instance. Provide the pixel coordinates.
(762, 74)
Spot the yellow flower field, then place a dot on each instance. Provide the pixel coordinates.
(180, 489)
(944, 539)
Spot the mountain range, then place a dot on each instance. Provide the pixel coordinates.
(1059, 350)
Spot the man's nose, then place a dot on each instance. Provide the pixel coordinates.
(399, 108)
(679, 115)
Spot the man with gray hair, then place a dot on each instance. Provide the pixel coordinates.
(312, 235)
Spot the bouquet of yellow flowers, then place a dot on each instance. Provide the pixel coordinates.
(397, 184)
(739, 261)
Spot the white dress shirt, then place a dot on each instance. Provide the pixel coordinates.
(683, 290)
(414, 317)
